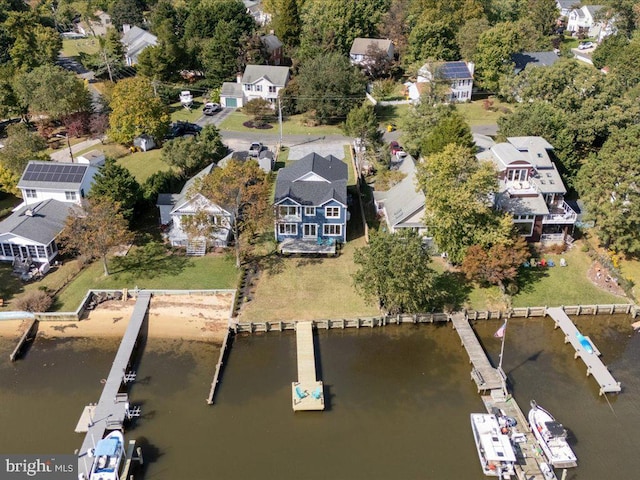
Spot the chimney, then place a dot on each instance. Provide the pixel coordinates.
(126, 27)
(239, 77)
(471, 66)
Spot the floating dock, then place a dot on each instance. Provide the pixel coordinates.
(113, 407)
(308, 392)
(486, 377)
(595, 367)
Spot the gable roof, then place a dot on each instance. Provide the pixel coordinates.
(326, 179)
(45, 223)
(136, 39)
(181, 198)
(537, 59)
(360, 46)
(271, 42)
(447, 70)
(54, 175)
(231, 89)
(278, 76)
(404, 199)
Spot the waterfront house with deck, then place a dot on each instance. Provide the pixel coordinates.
(311, 205)
(175, 207)
(531, 189)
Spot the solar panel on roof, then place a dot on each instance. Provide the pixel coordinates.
(42, 172)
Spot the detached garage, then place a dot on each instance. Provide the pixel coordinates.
(231, 95)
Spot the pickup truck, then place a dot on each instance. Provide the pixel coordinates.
(255, 149)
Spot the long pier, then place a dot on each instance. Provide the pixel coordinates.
(486, 377)
(308, 392)
(489, 379)
(216, 375)
(29, 334)
(595, 367)
(113, 407)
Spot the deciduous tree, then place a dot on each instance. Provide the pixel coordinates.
(493, 54)
(242, 189)
(191, 154)
(20, 146)
(393, 272)
(286, 22)
(362, 123)
(135, 110)
(114, 183)
(94, 229)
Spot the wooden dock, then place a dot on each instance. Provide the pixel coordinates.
(307, 393)
(214, 383)
(529, 455)
(486, 377)
(113, 407)
(28, 335)
(595, 367)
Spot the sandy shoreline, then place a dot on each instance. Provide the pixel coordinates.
(186, 317)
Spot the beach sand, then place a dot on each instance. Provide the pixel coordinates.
(186, 317)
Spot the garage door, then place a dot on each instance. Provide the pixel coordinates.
(231, 102)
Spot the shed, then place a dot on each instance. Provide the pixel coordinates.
(144, 142)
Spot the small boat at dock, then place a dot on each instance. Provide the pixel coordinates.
(495, 450)
(108, 457)
(552, 437)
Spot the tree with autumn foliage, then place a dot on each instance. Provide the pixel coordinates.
(496, 264)
(243, 189)
(94, 229)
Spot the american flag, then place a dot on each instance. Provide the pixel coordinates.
(500, 332)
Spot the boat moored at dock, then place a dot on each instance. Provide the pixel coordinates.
(497, 457)
(552, 437)
(108, 457)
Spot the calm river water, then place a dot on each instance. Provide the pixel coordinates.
(399, 402)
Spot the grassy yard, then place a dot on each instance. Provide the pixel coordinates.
(475, 113)
(307, 288)
(293, 125)
(143, 164)
(391, 114)
(631, 270)
(73, 47)
(150, 267)
(181, 114)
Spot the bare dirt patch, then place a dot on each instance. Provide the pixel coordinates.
(600, 277)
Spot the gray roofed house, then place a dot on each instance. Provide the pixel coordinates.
(276, 76)
(174, 207)
(535, 59)
(360, 49)
(258, 81)
(403, 204)
(135, 40)
(273, 45)
(311, 205)
(30, 231)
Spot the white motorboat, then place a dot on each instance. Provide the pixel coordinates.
(186, 98)
(108, 457)
(552, 437)
(495, 449)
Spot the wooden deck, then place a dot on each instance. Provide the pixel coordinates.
(113, 407)
(486, 377)
(307, 393)
(595, 367)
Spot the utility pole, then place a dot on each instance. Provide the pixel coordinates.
(280, 121)
(69, 145)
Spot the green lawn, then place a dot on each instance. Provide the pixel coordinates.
(111, 150)
(307, 288)
(391, 114)
(293, 125)
(72, 48)
(151, 267)
(631, 270)
(475, 113)
(181, 114)
(143, 164)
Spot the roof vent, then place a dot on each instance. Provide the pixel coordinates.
(28, 212)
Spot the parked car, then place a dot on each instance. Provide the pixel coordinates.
(395, 147)
(211, 108)
(179, 129)
(585, 45)
(255, 149)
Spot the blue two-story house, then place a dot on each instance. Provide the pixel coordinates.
(311, 205)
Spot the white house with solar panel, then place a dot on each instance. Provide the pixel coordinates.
(49, 190)
(457, 75)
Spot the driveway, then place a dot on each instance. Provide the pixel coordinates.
(63, 155)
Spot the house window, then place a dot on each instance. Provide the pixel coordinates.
(32, 250)
(258, 88)
(272, 89)
(15, 249)
(332, 229)
(6, 250)
(41, 252)
(70, 196)
(332, 212)
(310, 230)
(517, 175)
(30, 193)
(288, 211)
(310, 211)
(288, 228)
(248, 87)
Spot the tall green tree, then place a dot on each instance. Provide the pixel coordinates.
(20, 146)
(41, 89)
(94, 230)
(394, 273)
(128, 12)
(136, 110)
(219, 54)
(458, 210)
(330, 86)
(115, 183)
(608, 184)
(362, 123)
(32, 43)
(286, 22)
(432, 40)
(468, 35)
(493, 54)
(244, 190)
(189, 155)
(451, 128)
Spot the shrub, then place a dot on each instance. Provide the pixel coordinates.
(35, 301)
